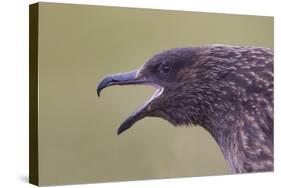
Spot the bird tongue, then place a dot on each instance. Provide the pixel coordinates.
(138, 114)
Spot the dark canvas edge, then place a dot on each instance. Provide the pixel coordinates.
(33, 94)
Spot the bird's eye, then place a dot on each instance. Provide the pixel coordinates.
(164, 69)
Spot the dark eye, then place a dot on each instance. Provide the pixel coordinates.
(164, 68)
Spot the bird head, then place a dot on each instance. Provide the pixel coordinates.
(228, 90)
(181, 81)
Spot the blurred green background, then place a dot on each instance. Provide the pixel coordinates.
(80, 44)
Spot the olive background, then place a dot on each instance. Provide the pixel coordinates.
(80, 44)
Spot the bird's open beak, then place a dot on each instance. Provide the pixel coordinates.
(128, 78)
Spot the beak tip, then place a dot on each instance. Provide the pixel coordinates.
(119, 132)
(99, 89)
(98, 93)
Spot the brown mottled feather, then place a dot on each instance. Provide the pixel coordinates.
(228, 90)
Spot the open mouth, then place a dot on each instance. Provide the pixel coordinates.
(130, 78)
